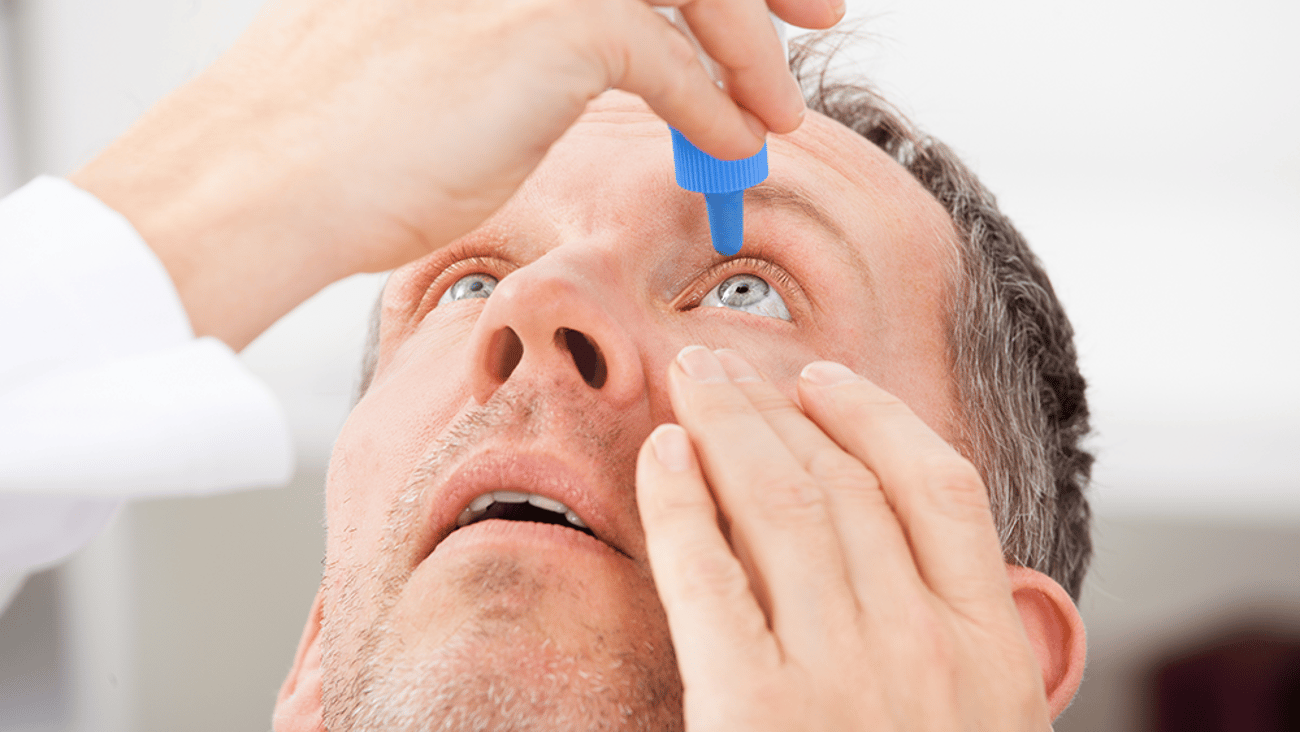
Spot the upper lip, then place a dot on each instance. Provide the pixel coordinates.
(545, 475)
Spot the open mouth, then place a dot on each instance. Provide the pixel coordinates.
(521, 506)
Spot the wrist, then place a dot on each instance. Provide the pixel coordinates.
(225, 223)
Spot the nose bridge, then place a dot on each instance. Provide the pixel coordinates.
(550, 319)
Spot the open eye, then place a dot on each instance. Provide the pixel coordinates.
(469, 286)
(747, 293)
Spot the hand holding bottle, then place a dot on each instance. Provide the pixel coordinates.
(340, 136)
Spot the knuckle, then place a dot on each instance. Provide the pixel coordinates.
(868, 403)
(727, 405)
(840, 471)
(680, 51)
(592, 38)
(720, 412)
(679, 506)
(705, 573)
(789, 500)
(673, 83)
(953, 481)
(768, 400)
(931, 638)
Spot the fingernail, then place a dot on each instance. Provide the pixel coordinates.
(672, 448)
(828, 373)
(736, 366)
(837, 8)
(700, 364)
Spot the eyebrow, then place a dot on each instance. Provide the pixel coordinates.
(777, 195)
(780, 196)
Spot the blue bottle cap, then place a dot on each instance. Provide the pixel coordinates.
(723, 183)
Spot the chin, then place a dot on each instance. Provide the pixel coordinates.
(503, 640)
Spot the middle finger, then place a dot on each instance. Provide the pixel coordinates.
(876, 553)
(780, 527)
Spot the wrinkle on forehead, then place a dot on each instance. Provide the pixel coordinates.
(598, 174)
(824, 146)
(626, 111)
(821, 144)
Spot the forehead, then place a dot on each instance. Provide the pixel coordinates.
(615, 164)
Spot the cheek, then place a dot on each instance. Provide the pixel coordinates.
(407, 406)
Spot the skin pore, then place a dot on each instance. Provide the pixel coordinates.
(512, 625)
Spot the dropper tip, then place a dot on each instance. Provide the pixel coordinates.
(726, 221)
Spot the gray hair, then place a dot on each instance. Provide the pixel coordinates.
(1023, 412)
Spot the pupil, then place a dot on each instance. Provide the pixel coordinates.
(742, 290)
(468, 287)
(475, 285)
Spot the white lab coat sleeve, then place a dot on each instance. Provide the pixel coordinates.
(105, 393)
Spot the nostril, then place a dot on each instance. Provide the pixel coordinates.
(586, 356)
(505, 353)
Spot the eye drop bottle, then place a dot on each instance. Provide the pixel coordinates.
(723, 182)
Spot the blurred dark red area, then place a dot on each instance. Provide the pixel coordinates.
(1247, 682)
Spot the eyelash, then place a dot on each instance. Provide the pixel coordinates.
(742, 265)
(493, 266)
(690, 299)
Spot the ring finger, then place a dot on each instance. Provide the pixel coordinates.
(877, 558)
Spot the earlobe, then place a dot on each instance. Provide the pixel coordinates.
(1055, 631)
(298, 706)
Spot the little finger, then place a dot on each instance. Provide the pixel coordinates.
(938, 496)
(878, 561)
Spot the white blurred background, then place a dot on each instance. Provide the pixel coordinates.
(1147, 148)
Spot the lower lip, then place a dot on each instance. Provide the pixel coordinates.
(501, 534)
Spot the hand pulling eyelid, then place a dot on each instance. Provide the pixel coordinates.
(723, 182)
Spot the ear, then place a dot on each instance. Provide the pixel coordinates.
(1055, 631)
(298, 707)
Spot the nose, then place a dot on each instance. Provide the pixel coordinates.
(547, 322)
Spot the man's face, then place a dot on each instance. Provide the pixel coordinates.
(603, 271)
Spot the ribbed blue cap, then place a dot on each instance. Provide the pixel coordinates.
(723, 183)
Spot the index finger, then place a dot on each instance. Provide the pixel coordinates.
(815, 14)
(740, 38)
(808, 13)
(938, 495)
(659, 64)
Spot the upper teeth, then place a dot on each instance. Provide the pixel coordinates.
(479, 506)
